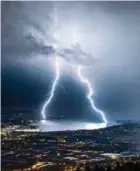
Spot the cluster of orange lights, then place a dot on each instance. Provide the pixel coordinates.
(69, 168)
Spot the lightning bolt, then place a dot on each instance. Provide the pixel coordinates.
(90, 93)
(45, 106)
(52, 89)
(82, 79)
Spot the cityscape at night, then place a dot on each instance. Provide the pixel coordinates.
(70, 86)
(26, 147)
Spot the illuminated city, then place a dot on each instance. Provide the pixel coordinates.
(68, 149)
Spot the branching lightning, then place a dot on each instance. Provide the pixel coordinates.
(52, 90)
(82, 79)
(89, 96)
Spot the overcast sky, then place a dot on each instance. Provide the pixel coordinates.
(106, 34)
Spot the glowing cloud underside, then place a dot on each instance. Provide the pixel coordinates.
(89, 96)
(52, 90)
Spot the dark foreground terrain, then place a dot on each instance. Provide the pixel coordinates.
(112, 148)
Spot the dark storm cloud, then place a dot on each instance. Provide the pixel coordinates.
(76, 55)
(23, 36)
(38, 47)
(110, 44)
(118, 21)
(17, 40)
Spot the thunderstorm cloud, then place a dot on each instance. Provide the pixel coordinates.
(102, 35)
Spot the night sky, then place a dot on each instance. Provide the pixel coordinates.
(107, 35)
